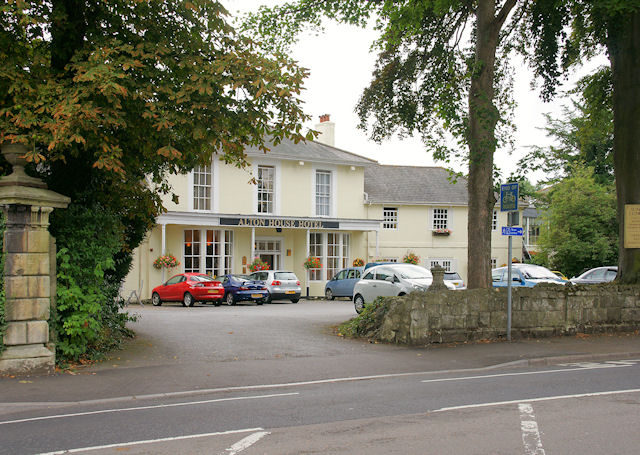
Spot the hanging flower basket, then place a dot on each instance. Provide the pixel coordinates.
(168, 261)
(258, 264)
(358, 262)
(312, 263)
(411, 258)
(441, 231)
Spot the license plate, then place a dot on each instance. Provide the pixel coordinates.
(213, 291)
(290, 292)
(256, 296)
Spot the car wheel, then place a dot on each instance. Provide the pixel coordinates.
(268, 299)
(295, 300)
(230, 299)
(187, 300)
(328, 294)
(155, 299)
(358, 303)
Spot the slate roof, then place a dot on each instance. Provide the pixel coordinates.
(413, 185)
(310, 151)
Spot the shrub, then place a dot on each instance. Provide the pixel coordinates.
(367, 323)
(87, 318)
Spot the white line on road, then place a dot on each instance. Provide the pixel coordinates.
(246, 442)
(534, 400)
(566, 370)
(151, 441)
(530, 433)
(139, 408)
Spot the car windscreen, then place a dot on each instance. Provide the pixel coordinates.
(451, 276)
(412, 272)
(201, 278)
(537, 273)
(285, 276)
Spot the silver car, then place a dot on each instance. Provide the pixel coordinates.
(281, 284)
(597, 275)
(391, 280)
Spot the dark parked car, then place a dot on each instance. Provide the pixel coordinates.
(597, 275)
(341, 285)
(188, 288)
(239, 288)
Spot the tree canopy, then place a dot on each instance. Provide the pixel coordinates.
(139, 86)
(436, 76)
(558, 35)
(579, 227)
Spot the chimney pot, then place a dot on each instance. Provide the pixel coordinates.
(324, 118)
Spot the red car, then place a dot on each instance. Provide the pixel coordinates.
(188, 288)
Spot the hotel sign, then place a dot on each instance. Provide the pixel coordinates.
(279, 223)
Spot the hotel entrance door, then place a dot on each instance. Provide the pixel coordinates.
(269, 251)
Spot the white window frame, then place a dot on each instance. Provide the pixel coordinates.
(196, 252)
(316, 249)
(333, 196)
(214, 193)
(494, 220)
(389, 259)
(440, 218)
(223, 244)
(323, 192)
(449, 264)
(493, 262)
(270, 192)
(390, 218)
(342, 246)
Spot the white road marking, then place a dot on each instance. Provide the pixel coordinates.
(151, 441)
(530, 433)
(630, 362)
(285, 384)
(246, 442)
(534, 400)
(526, 373)
(158, 406)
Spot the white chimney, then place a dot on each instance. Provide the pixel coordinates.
(327, 131)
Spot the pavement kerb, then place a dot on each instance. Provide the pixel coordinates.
(550, 360)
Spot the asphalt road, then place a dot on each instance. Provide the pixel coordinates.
(276, 380)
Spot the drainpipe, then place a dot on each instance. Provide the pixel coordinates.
(164, 247)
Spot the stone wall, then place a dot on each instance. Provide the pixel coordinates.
(448, 316)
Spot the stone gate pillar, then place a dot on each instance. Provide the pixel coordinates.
(26, 203)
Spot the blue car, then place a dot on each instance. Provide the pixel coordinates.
(524, 275)
(341, 285)
(239, 288)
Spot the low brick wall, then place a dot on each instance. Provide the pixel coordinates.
(448, 316)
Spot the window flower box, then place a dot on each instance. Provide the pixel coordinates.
(441, 232)
(358, 262)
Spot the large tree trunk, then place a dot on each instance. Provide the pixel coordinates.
(624, 53)
(483, 117)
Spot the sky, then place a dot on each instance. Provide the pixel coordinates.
(341, 64)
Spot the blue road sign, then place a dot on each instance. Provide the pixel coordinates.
(509, 194)
(512, 230)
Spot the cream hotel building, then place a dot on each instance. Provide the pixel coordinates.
(311, 199)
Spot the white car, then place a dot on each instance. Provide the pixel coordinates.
(281, 284)
(455, 279)
(391, 280)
